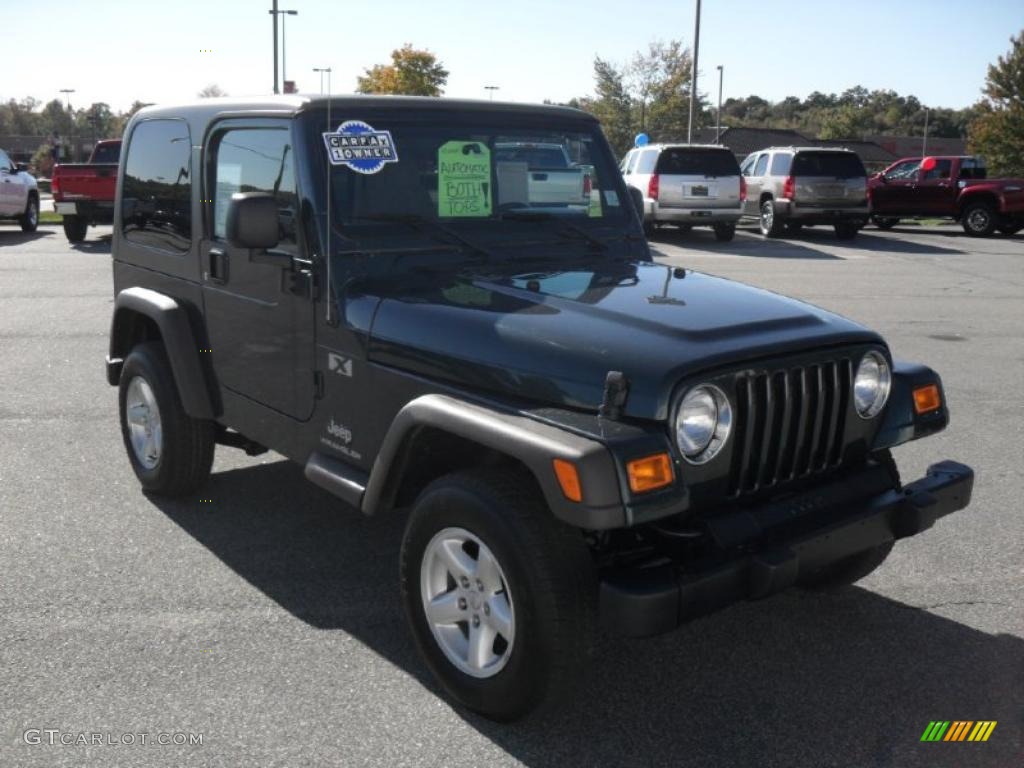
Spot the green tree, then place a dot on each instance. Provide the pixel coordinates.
(661, 80)
(212, 91)
(998, 132)
(611, 104)
(411, 72)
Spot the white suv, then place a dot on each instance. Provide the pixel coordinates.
(689, 185)
(19, 195)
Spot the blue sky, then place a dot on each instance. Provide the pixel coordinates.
(121, 50)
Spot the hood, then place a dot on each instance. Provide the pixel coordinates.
(552, 337)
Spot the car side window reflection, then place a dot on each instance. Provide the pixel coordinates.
(256, 160)
(904, 171)
(762, 165)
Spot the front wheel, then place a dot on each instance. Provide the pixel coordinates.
(500, 596)
(725, 232)
(30, 219)
(75, 228)
(979, 219)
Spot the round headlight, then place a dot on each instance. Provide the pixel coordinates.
(703, 423)
(871, 385)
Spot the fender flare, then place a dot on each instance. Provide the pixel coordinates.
(172, 320)
(531, 442)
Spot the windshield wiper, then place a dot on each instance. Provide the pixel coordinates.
(421, 223)
(567, 226)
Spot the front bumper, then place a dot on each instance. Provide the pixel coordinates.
(647, 601)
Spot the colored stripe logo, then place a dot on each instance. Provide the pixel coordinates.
(959, 730)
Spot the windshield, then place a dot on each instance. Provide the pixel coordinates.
(477, 174)
(840, 165)
(106, 154)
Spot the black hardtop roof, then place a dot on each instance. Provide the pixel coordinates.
(201, 111)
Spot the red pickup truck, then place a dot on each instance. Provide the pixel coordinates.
(84, 193)
(954, 187)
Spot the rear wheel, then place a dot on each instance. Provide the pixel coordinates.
(885, 222)
(979, 219)
(75, 228)
(771, 225)
(30, 219)
(170, 452)
(725, 232)
(500, 596)
(846, 230)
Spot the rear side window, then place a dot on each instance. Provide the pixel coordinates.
(839, 165)
(682, 161)
(781, 163)
(107, 154)
(941, 170)
(631, 162)
(646, 162)
(256, 160)
(972, 168)
(156, 198)
(762, 165)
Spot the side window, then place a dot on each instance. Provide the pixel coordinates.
(156, 201)
(905, 171)
(941, 170)
(762, 165)
(5, 161)
(256, 160)
(629, 161)
(748, 165)
(647, 160)
(781, 164)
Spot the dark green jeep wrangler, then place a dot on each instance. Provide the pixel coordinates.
(379, 289)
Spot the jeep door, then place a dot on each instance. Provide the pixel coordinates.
(259, 317)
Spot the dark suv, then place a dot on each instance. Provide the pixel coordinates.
(790, 187)
(366, 286)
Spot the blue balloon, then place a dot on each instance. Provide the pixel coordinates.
(641, 140)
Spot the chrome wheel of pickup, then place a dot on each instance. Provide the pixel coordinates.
(145, 429)
(467, 602)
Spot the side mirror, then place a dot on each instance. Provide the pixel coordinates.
(21, 167)
(638, 201)
(881, 177)
(252, 221)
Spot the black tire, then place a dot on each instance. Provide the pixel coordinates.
(550, 578)
(846, 230)
(75, 228)
(187, 444)
(30, 219)
(885, 222)
(979, 219)
(768, 222)
(725, 232)
(793, 227)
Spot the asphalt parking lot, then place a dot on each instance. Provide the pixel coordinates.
(268, 619)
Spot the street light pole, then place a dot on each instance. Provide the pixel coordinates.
(718, 117)
(284, 56)
(321, 70)
(273, 18)
(492, 89)
(924, 141)
(693, 80)
(67, 93)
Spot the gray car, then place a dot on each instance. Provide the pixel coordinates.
(789, 187)
(19, 195)
(686, 185)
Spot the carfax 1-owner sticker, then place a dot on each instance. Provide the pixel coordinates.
(360, 147)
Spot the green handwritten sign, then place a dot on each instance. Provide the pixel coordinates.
(464, 186)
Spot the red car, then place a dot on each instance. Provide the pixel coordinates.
(84, 192)
(953, 187)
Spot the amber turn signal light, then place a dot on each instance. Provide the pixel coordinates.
(569, 479)
(927, 399)
(649, 473)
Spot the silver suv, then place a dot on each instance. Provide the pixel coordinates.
(689, 185)
(789, 187)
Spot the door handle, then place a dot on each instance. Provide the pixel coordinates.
(218, 266)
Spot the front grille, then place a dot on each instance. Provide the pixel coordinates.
(789, 424)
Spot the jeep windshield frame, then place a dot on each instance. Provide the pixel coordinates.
(367, 208)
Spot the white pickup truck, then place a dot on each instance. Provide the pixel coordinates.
(552, 178)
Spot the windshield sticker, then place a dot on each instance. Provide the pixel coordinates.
(612, 198)
(360, 147)
(594, 211)
(464, 179)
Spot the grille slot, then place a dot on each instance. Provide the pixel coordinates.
(789, 424)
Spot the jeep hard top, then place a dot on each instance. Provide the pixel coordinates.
(368, 286)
